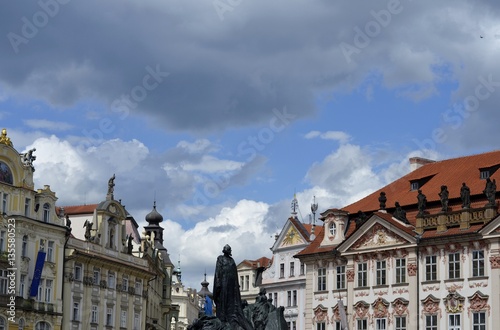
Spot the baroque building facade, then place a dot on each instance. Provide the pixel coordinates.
(420, 253)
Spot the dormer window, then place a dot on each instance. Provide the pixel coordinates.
(487, 172)
(414, 186)
(332, 228)
(46, 212)
(484, 174)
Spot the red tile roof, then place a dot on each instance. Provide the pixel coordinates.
(261, 262)
(79, 209)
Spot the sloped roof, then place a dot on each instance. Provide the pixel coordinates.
(304, 229)
(78, 209)
(451, 172)
(254, 264)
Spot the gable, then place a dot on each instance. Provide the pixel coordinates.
(492, 228)
(377, 233)
(292, 237)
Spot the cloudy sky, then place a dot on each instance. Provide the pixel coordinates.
(222, 110)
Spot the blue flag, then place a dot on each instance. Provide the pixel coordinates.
(37, 273)
(208, 306)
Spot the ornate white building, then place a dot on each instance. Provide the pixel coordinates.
(421, 253)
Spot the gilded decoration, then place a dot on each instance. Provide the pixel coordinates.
(4, 139)
(292, 237)
(320, 315)
(495, 262)
(454, 303)
(377, 236)
(478, 302)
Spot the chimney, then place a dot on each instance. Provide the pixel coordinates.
(417, 162)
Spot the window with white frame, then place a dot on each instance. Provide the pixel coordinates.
(22, 285)
(294, 298)
(109, 316)
(479, 321)
(430, 268)
(361, 324)
(380, 266)
(340, 277)
(337, 325)
(400, 323)
(321, 326)
(39, 296)
(242, 283)
(97, 276)
(50, 251)
(78, 272)
(46, 212)
(431, 322)
(292, 268)
(24, 246)
(275, 300)
(137, 321)
(454, 265)
(332, 228)
(76, 311)
(400, 270)
(362, 274)
(111, 280)
(42, 325)
(247, 282)
(282, 270)
(94, 315)
(125, 284)
(3, 241)
(138, 287)
(380, 324)
(302, 268)
(123, 319)
(477, 263)
(289, 298)
(4, 280)
(5, 203)
(27, 207)
(454, 322)
(322, 279)
(48, 290)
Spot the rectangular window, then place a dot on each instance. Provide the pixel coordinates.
(24, 246)
(3, 242)
(431, 322)
(5, 203)
(454, 265)
(479, 321)
(302, 268)
(289, 300)
(39, 296)
(430, 268)
(109, 316)
(123, 319)
(22, 286)
(400, 270)
(380, 324)
(46, 212)
(362, 324)
(340, 277)
(97, 276)
(400, 323)
(338, 325)
(4, 280)
(242, 283)
(137, 320)
(454, 322)
(477, 263)
(362, 274)
(76, 311)
(381, 272)
(292, 268)
(78, 272)
(282, 270)
(125, 284)
(50, 251)
(94, 316)
(27, 207)
(247, 282)
(138, 287)
(294, 298)
(321, 279)
(111, 281)
(48, 290)
(321, 326)
(275, 300)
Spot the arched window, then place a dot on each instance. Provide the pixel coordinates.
(332, 228)
(24, 247)
(42, 325)
(3, 324)
(46, 212)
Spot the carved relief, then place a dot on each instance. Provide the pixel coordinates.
(380, 309)
(478, 302)
(431, 306)
(400, 307)
(360, 310)
(377, 236)
(400, 291)
(350, 275)
(495, 262)
(320, 315)
(454, 303)
(454, 287)
(412, 269)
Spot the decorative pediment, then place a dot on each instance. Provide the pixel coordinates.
(377, 236)
(478, 302)
(431, 305)
(361, 309)
(320, 314)
(380, 308)
(292, 237)
(454, 302)
(400, 306)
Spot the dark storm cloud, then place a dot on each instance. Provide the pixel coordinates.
(187, 68)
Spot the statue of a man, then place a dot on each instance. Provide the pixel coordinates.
(111, 185)
(422, 202)
(226, 292)
(443, 195)
(465, 196)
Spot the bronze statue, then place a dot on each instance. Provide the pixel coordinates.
(400, 214)
(88, 228)
(382, 199)
(465, 196)
(422, 202)
(443, 195)
(129, 244)
(490, 191)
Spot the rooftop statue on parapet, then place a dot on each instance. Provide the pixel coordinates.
(231, 312)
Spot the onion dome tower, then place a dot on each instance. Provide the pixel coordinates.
(153, 228)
